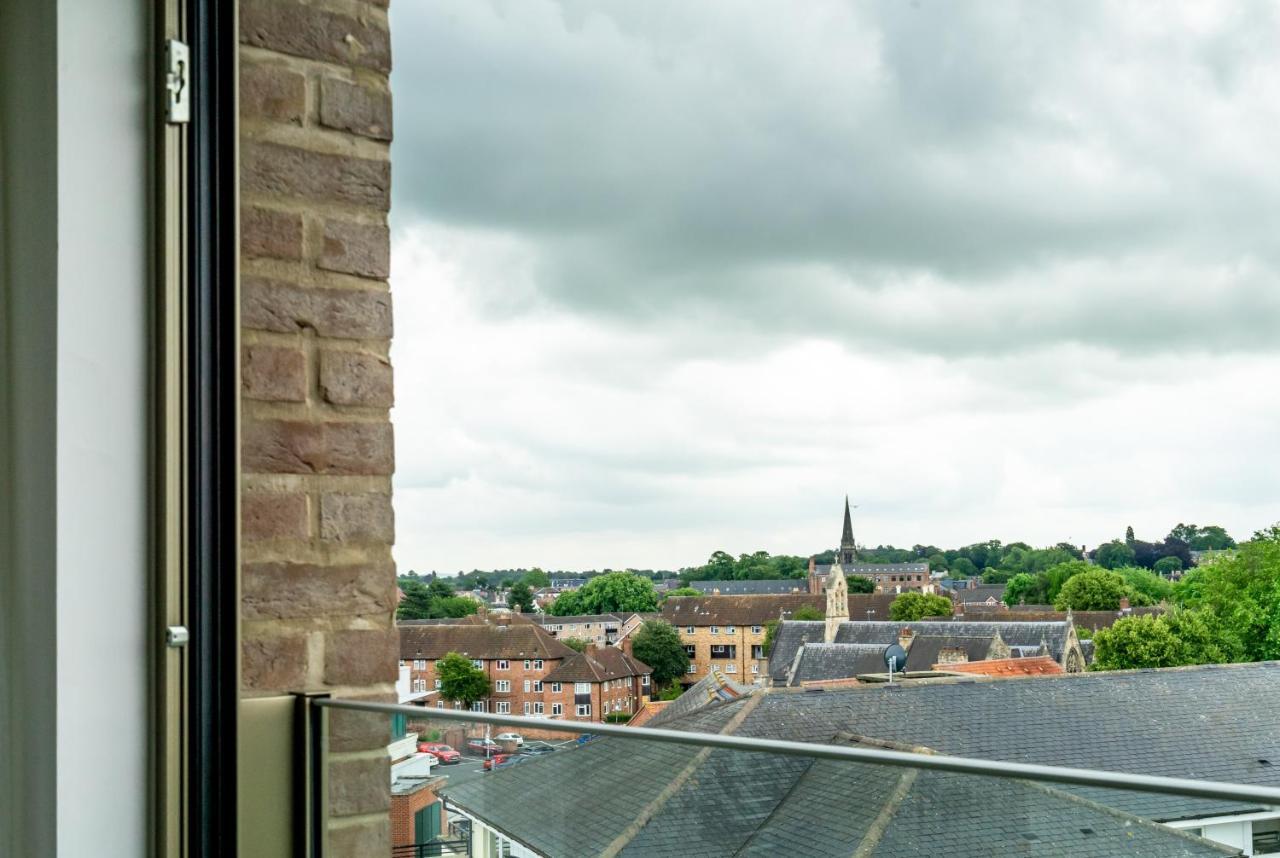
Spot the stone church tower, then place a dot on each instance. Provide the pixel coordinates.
(848, 550)
(837, 602)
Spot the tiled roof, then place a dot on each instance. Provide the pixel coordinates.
(518, 640)
(681, 801)
(715, 687)
(926, 649)
(1039, 665)
(1043, 613)
(746, 588)
(822, 661)
(1023, 634)
(650, 710)
(979, 595)
(598, 665)
(758, 610)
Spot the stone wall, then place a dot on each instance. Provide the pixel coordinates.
(318, 581)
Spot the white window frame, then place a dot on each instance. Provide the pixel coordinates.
(502, 685)
(526, 664)
(729, 630)
(557, 708)
(582, 710)
(479, 706)
(438, 684)
(582, 688)
(504, 707)
(478, 663)
(556, 687)
(537, 664)
(538, 709)
(715, 630)
(693, 668)
(537, 685)
(526, 686)
(503, 664)
(528, 707)
(730, 668)
(755, 630)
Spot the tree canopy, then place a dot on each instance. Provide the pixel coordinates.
(1093, 590)
(520, 596)
(860, 584)
(1178, 638)
(808, 613)
(1113, 554)
(609, 593)
(1238, 594)
(916, 606)
(658, 645)
(460, 680)
(429, 601)
(681, 591)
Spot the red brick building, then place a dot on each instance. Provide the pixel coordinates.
(597, 683)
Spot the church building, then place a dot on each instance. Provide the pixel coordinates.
(887, 577)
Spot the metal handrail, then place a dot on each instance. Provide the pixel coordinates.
(1267, 796)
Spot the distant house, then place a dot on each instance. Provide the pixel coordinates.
(598, 629)
(990, 595)
(680, 800)
(751, 587)
(598, 683)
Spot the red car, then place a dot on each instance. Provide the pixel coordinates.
(443, 753)
(495, 760)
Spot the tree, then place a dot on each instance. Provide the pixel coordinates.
(1026, 589)
(1113, 554)
(807, 613)
(609, 593)
(770, 632)
(963, 567)
(520, 596)
(916, 606)
(1166, 566)
(860, 584)
(1129, 538)
(1238, 596)
(535, 578)
(1095, 590)
(456, 606)
(417, 601)
(431, 601)
(460, 680)
(576, 644)
(1172, 640)
(1147, 587)
(657, 644)
(682, 591)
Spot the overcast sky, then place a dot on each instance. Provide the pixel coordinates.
(671, 277)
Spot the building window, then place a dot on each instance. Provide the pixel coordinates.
(537, 664)
(527, 707)
(526, 686)
(755, 668)
(692, 668)
(503, 685)
(730, 668)
(715, 630)
(757, 650)
(420, 684)
(556, 688)
(583, 710)
(582, 688)
(478, 706)
(755, 630)
(728, 630)
(504, 708)
(557, 708)
(537, 709)
(688, 630)
(644, 680)
(691, 650)
(419, 664)
(503, 664)
(537, 685)
(439, 704)
(606, 685)
(526, 664)
(479, 663)
(438, 684)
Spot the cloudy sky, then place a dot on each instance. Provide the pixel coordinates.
(672, 278)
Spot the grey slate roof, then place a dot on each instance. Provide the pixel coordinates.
(819, 661)
(979, 595)
(715, 687)
(787, 641)
(679, 801)
(926, 649)
(869, 569)
(751, 588)
(1013, 633)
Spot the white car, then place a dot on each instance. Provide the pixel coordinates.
(510, 737)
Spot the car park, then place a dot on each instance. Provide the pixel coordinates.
(496, 761)
(483, 747)
(443, 753)
(510, 737)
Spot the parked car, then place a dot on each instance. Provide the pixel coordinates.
(536, 748)
(483, 747)
(444, 753)
(496, 761)
(510, 737)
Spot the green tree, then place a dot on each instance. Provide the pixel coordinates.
(417, 601)
(460, 680)
(536, 579)
(576, 644)
(916, 606)
(1095, 590)
(1148, 588)
(1172, 640)
(1238, 595)
(1025, 589)
(770, 632)
(657, 644)
(681, 592)
(456, 606)
(807, 613)
(860, 584)
(1113, 554)
(1166, 566)
(1129, 538)
(520, 595)
(963, 567)
(608, 593)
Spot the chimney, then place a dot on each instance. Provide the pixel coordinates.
(1124, 605)
(904, 637)
(813, 566)
(502, 619)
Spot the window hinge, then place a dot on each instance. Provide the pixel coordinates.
(177, 82)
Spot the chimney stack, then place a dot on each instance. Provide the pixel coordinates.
(1124, 605)
(904, 637)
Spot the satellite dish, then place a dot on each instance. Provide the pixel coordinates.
(895, 658)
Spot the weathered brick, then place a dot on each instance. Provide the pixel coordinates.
(359, 109)
(359, 840)
(297, 447)
(352, 378)
(356, 518)
(271, 91)
(273, 661)
(273, 373)
(359, 786)
(282, 591)
(305, 31)
(270, 233)
(269, 305)
(356, 248)
(274, 170)
(273, 515)
(359, 731)
(361, 656)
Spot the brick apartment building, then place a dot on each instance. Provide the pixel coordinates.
(887, 577)
(530, 672)
(727, 632)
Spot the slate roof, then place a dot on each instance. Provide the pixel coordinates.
(1044, 613)
(758, 610)
(598, 665)
(680, 801)
(1015, 634)
(926, 649)
(978, 595)
(715, 687)
(518, 640)
(787, 641)
(753, 588)
(869, 569)
(822, 661)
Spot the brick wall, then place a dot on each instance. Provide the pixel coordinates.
(317, 452)
(741, 637)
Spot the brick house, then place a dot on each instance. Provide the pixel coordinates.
(597, 683)
(728, 632)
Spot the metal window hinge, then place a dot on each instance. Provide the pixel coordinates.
(177, 82)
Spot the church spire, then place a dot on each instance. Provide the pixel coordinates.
(848, 550)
